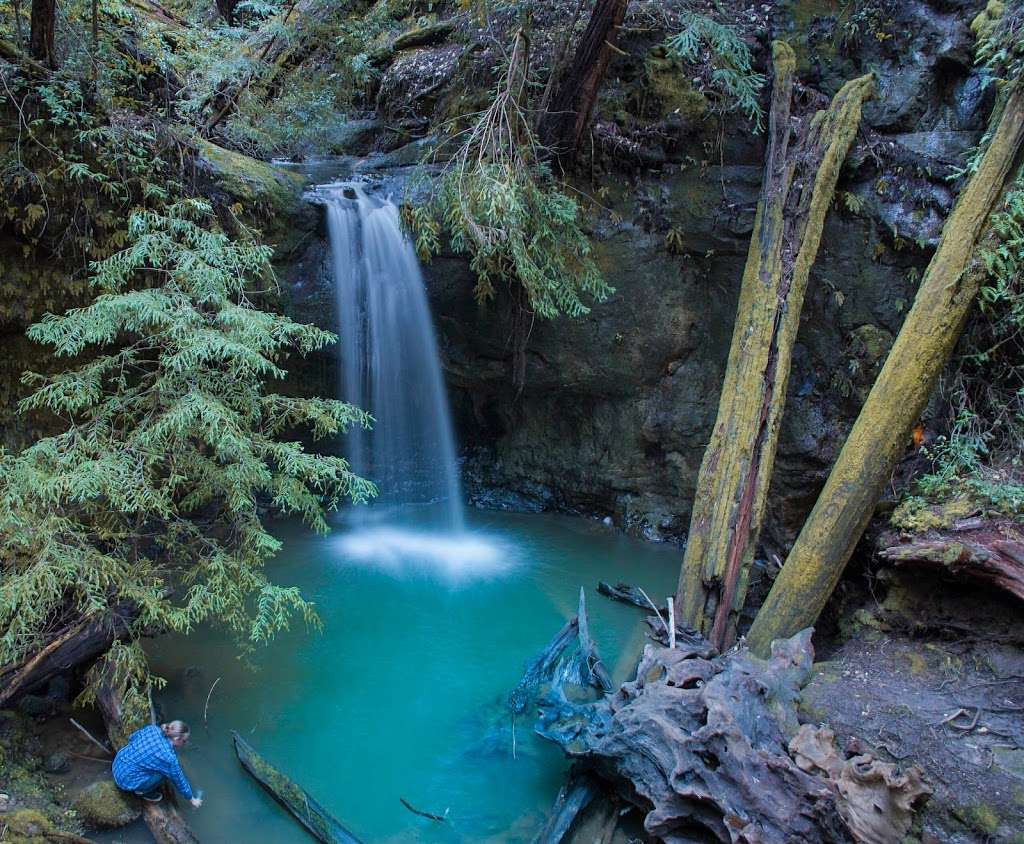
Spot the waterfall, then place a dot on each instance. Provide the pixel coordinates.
(389, 358)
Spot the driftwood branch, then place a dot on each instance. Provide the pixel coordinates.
(420, 812)
(578, 792)
(91, 737)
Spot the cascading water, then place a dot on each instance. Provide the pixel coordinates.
(389, 358)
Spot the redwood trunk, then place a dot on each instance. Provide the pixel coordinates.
(41, 38)
(732, 488)
(569, 114)
(882, 430)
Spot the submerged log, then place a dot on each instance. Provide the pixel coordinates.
(163, 819)
(593, 672)
(732, 488)
(578, 792)
(989, 553)
(314, 817)
(880, 435)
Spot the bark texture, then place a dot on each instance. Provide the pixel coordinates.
(569, 113)
(732, 488)
(982, 552)
(882, 430)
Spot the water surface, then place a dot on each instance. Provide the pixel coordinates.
(403, 694)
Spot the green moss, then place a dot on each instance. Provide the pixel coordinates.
(916, 515)
(104, 804)
(981, 818)
(669, 84)
(27, 825)
(917, 663)
(985, 23)
(257, 185)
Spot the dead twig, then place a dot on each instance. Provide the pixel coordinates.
(92, 738)
(206, 706)
(423, 814)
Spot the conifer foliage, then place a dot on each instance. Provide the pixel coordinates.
(151, 494)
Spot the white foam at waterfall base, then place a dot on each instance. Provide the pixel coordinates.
(454, 555)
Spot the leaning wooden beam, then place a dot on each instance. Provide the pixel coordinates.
(732, 487)
(306, 810)
(164, 821)
(882, 430)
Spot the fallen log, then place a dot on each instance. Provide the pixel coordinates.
(989, 553)
(306, 810)
(77, 642)
(163, 819)
(423, 36)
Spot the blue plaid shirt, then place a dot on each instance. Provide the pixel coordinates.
(148, 755)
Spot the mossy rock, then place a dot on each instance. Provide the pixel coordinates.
(26, 825)
(104, 804)
(421, 36)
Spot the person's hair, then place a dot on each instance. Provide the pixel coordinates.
(175, 729)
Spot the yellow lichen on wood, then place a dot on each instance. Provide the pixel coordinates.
(882, 430)
(732, 487)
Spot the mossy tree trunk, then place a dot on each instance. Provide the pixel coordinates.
(882, 430)
(41, 35)
(732, 487)
(568, 116)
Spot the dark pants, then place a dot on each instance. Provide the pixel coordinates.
(151, 784)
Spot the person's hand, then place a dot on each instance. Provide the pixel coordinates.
(196, 802)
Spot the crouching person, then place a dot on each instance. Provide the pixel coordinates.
(142, 765)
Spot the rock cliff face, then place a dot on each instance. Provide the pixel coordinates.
(618, 405)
